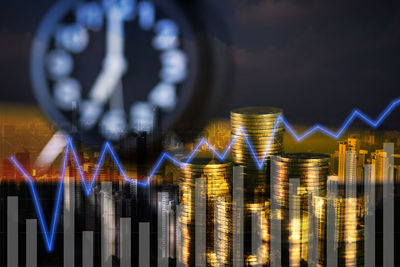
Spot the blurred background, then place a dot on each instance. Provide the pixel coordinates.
(315, 59)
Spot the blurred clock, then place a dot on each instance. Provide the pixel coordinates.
(111, 68)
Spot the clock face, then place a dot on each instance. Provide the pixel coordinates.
(113, 67)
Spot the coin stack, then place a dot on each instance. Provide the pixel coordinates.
(217, 177)
(310, 168)
(311, 171)
(259, 214)
(222, 232)
(259, 127)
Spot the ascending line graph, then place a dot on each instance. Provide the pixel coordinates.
(49, 233)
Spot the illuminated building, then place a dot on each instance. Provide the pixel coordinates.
(351, 173)
(350, 216)
(361, 161)
(369, 139)
(380, 160)
(351, 144)
(350, 226)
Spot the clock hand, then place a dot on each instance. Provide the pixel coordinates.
(117, 98)
(114, 65)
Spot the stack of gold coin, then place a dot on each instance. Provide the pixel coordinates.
(258, 135)
(311, 169)
(215, 178)
(258, 214)
(258, 126)
(308, 173)
(223, 232)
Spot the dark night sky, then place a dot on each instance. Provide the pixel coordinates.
(315, 59)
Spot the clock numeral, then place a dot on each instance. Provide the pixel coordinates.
(73, 38)
(90, 113)
(126, 7)
(164, 96)
(146, 13)
(113, 124)
(173, 66)
(67, 93)
(90, 15)
(142, 117)
(166, 35)
(59, 64)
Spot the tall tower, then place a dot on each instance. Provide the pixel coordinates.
(342, 161)
(378, 160)
(361, 161)
(351, 144)
(351, 173)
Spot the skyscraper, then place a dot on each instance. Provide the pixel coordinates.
(351, 144)
(378, 159)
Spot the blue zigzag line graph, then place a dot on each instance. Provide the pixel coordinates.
(49, 233)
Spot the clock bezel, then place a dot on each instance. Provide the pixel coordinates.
(39, 78)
